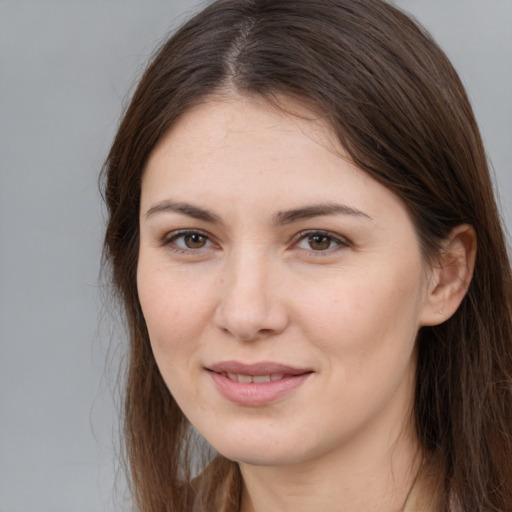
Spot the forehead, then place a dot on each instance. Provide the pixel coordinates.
(222, 121)
(242, 138)
(247, 150)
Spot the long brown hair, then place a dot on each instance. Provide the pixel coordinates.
(401, 112)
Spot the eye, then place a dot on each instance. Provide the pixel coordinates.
(319, 241)
(188, 240)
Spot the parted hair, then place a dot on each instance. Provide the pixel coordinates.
(399, 110)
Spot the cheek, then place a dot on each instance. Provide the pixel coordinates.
(365, 315)
(175, 310)
(364, 332)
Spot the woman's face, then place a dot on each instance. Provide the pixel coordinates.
(283, 287)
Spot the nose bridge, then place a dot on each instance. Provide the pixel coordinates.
(249, 305)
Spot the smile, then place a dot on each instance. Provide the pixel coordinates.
(258, 384)
(256, 379)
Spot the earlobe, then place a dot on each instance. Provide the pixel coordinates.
(451, 276)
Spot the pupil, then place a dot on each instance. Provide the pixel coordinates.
(319, 242)
(195, 241)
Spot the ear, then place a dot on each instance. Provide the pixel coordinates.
(451, 276)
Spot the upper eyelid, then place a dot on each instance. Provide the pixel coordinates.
(311, 232)
(171, 235)
(186, 231)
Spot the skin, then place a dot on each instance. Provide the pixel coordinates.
(346, 305)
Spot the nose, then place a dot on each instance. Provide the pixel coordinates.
(251, 304)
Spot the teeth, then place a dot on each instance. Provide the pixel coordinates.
(261, 378)
(253, 378)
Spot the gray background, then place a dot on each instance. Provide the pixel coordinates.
(65, 70)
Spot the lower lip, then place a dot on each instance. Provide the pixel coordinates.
(253, 394)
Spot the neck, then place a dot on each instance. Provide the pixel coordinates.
(366, 478)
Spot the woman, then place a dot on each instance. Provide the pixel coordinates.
(303, 231)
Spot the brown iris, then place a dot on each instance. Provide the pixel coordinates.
(319, 242)
(195, 241)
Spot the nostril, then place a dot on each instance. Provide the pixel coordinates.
(248, 309)
(265, 332)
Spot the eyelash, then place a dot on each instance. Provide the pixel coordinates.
(306, 235)
(170, 240)
(340, 242)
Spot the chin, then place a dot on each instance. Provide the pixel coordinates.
(261, 451)
(258, 458)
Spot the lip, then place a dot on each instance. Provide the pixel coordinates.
(260, 368)
(253, 394)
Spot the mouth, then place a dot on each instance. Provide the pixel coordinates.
(260, 372)
(256, 384)
(256, 379)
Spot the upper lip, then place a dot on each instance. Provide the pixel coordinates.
(260, 368)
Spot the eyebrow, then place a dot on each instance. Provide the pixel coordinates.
(316, 210)
(279, 219)
(190, 210)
